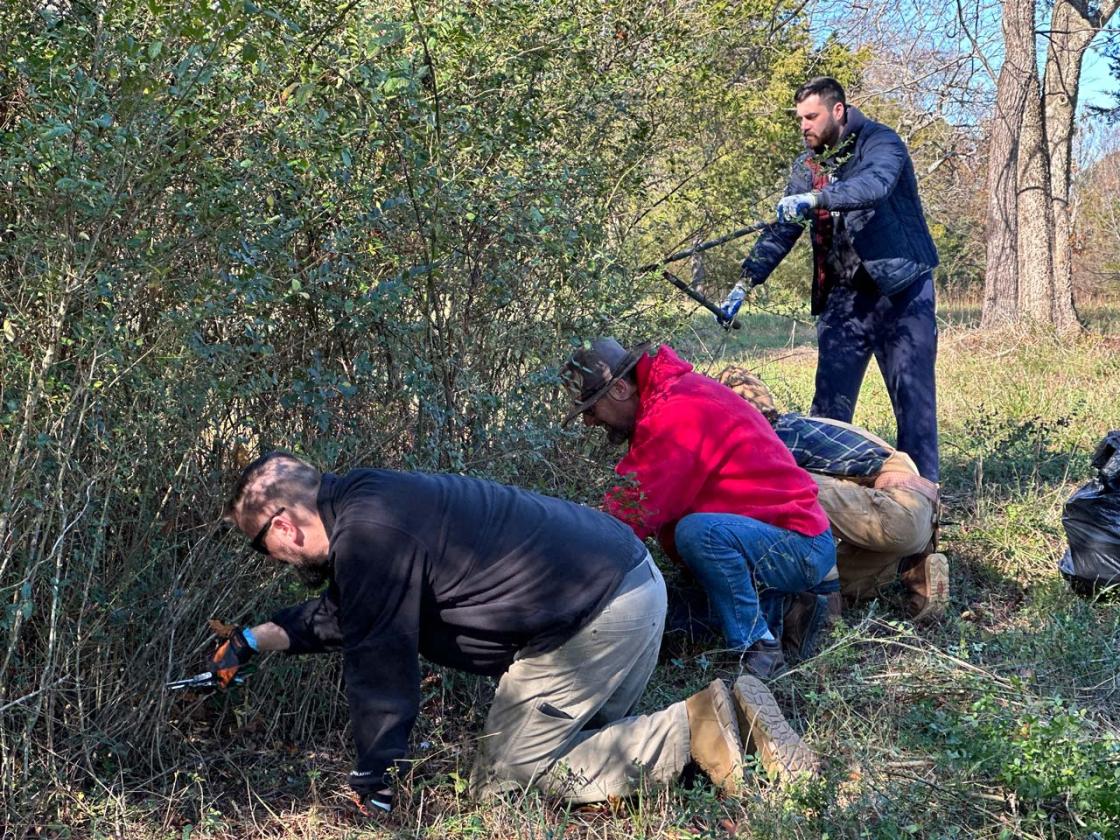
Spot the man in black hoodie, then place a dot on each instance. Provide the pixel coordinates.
(560, 600)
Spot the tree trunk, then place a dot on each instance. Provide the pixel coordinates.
(1073, 27)
(1030, 225)
(1000, 276)
(1035, 229)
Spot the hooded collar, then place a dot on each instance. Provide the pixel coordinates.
(655, 373)
(852, 124)
(325, 501)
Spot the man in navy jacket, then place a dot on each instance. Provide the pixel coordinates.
(873, 261)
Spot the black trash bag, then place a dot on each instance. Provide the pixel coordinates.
(1091, 518)
(1106, 461)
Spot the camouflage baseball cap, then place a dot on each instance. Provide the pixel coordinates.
(752, 389)
(588, 374)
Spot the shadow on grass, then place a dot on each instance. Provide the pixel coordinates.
(1102, 319)
(760, 333)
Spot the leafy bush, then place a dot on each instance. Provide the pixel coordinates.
(367, 232)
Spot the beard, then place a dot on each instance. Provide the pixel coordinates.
(828, 137)
(312, 575)
(617, 436)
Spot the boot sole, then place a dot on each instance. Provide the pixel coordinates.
(782, 752)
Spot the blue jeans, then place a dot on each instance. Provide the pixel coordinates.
(900, 331)
(749, 569)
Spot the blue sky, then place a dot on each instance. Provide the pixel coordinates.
(1096, 81)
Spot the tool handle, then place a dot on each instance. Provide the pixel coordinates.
(704, 246)
(699, 298)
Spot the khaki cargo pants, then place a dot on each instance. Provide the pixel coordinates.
(874, 529)
(561, 721)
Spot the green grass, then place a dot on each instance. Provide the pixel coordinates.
(1000, 721)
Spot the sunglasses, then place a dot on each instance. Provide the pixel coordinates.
(258, 541)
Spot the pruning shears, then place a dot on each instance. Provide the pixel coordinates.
(703, 246)
(207, 679)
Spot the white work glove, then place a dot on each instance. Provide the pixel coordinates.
(794, 208)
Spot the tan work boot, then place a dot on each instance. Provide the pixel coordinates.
(714, 736)
(765, 731)
(928, 582)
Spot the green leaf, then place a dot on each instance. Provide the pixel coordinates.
(394, 84)
(154, 49)
(303, 92)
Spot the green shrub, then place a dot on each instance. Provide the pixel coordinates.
(1051, 756)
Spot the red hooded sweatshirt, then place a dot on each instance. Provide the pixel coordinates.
(698, 447)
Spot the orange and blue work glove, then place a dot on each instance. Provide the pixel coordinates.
(231, 654)
(374, 803)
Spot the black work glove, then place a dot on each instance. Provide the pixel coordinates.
(230, 655)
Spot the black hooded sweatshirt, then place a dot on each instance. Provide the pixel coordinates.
(466, 572)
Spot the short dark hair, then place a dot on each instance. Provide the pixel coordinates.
(295, 481)
(827, 88)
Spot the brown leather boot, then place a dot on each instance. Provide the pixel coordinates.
(835, 607)
(781, 751)
(764, 658)
(714, 736)
(806, 622)
(927, 578)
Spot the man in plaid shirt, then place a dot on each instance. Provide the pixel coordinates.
(883, 513)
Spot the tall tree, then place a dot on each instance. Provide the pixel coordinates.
(1074, 24)
(1032, 138)
(1001, 283)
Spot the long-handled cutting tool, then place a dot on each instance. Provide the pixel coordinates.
(703, 246)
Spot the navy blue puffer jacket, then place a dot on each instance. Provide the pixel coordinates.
(876, 192)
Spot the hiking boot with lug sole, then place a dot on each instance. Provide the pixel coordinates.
(714, 736)
(765, 731)
(928, 583)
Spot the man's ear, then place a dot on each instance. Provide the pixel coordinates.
(283, 524)
(621, 389)
(839, 111)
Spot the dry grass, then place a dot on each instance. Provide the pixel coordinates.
(940, 731)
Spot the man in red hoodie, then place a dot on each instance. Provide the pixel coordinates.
(707, 475)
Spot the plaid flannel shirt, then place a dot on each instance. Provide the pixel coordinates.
(822, 447)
